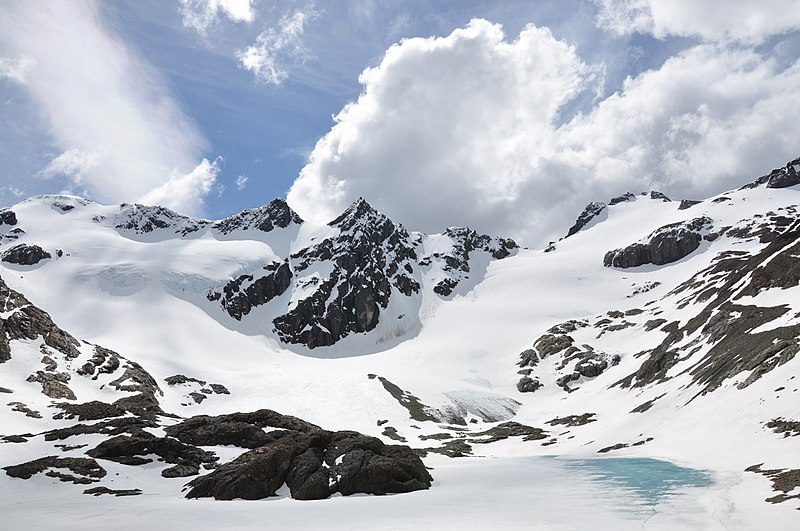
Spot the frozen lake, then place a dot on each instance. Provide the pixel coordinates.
(469, 493)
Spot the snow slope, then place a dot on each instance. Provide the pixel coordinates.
(145, 295)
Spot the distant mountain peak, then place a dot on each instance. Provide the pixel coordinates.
(358, 209)
(276, 213)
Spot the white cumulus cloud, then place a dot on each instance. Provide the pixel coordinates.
(202, 14)
(241, 182)
(278, 47)
(471, 128)
(745, 20)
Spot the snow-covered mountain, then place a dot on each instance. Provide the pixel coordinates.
(138, 341)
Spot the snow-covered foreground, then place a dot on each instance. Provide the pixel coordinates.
(147, 299)
(476, 493)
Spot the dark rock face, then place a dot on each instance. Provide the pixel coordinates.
(276, 214)
(591, 211)
(527, 384)
(8, 217)
(345, 281)
(370, 255)
(127, 449)
(508, 429)
(94, 410)
(456, 262)
(314, 466)
(86, 470)
(665, 245)
(139, 219)
(54, 384)
(687, 203)
(207, 431)
(571, 421)
(658, 195)
(26, 255)
(242, 294)
(29, 322)
(98, 491)
(780, 177)
(621, 199)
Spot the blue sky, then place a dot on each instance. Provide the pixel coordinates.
(507, 116)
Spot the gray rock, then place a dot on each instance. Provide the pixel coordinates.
(314, 466)
(26, 255)
(528, 385)
(665, 245)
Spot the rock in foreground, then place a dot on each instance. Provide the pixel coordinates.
(314, 466)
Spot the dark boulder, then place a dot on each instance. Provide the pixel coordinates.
(314, 466)
(54, 384)
(26, 255)
(127, 449)
(8, 217)
(87, 469)
(527, 384)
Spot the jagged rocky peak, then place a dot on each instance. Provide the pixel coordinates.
(143, 219)
(275, 214)
(784, 177)
(369, 258)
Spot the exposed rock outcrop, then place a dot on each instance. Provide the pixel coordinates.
(370, 257)
(665, 245)
(591, 211)
(266, 218)
(83, 470)
(25, 255)
(314, 466)
(242, 294)
(780, 177)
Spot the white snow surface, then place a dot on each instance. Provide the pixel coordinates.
(146, 300)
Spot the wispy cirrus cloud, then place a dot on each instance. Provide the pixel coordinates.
(73, 163)
(200, 15)
(278, 47)
(121, 131)
(16, 69)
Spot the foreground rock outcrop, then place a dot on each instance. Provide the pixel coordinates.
(313, 463)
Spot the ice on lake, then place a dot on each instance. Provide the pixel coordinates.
(468, 493)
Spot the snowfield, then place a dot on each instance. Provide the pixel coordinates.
(145, 297)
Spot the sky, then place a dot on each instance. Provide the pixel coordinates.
(507, 117)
